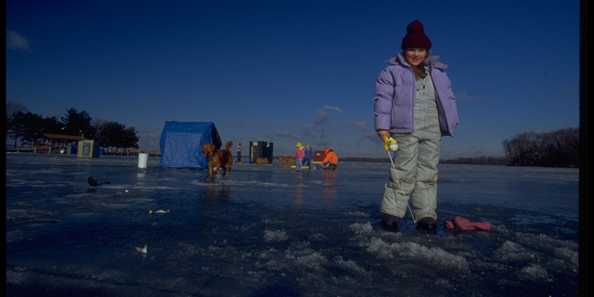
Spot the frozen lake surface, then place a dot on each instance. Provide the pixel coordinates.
(271, 231)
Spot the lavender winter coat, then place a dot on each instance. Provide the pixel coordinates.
(395, 94)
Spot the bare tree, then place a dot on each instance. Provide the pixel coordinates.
(554, 149)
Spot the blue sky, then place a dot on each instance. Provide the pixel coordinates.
(284, 71)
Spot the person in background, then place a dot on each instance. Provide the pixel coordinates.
(307, 156)
(414, 105)
(330, 159)
(299, 155)
(239, 152)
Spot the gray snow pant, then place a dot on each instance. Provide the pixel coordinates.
(414, 176)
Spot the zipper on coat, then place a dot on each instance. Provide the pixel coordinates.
(439, 106)
(414, 98)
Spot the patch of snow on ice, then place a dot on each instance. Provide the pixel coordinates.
(534, 272)
(433, 255)
(349, 265)
(357, 214)
(313, 261)
(361, 229)
(513, 252)
(271, 235)
(567, 254)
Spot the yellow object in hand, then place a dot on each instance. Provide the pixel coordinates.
(390, 144)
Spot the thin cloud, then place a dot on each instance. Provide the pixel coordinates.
(321, 117)
(366, 134)
(311, 133)
(322, 144)
(308, 133)
(16, 41)
(362, 125)
(323, 113)
(332, 108)
(287, 135)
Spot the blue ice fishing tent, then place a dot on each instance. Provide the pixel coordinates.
(181, 143)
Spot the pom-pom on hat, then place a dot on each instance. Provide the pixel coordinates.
(415, 36)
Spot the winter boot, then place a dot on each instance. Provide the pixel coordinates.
(428, 225)
(391, 223)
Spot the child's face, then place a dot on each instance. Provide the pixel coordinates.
(415, 56)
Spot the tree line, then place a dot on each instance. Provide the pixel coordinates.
(550, 149)
(481, 160)
(26, 126)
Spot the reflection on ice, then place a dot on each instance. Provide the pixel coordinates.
(241, 183)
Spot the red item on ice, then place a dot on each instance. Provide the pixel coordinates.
(465, 224)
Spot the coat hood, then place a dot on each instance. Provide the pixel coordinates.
(432, 61)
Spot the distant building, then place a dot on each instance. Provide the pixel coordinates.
(53, 143)
(261, 152)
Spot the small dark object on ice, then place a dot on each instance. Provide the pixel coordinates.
(93, 182)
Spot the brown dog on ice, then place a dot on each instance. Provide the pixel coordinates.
(218, 159)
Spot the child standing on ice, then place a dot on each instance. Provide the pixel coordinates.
(414, 105)
(299, 155)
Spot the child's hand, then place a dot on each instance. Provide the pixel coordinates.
(390, 144)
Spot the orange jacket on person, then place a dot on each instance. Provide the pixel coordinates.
(331, 157)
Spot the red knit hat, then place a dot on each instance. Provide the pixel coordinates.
(415, 36)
